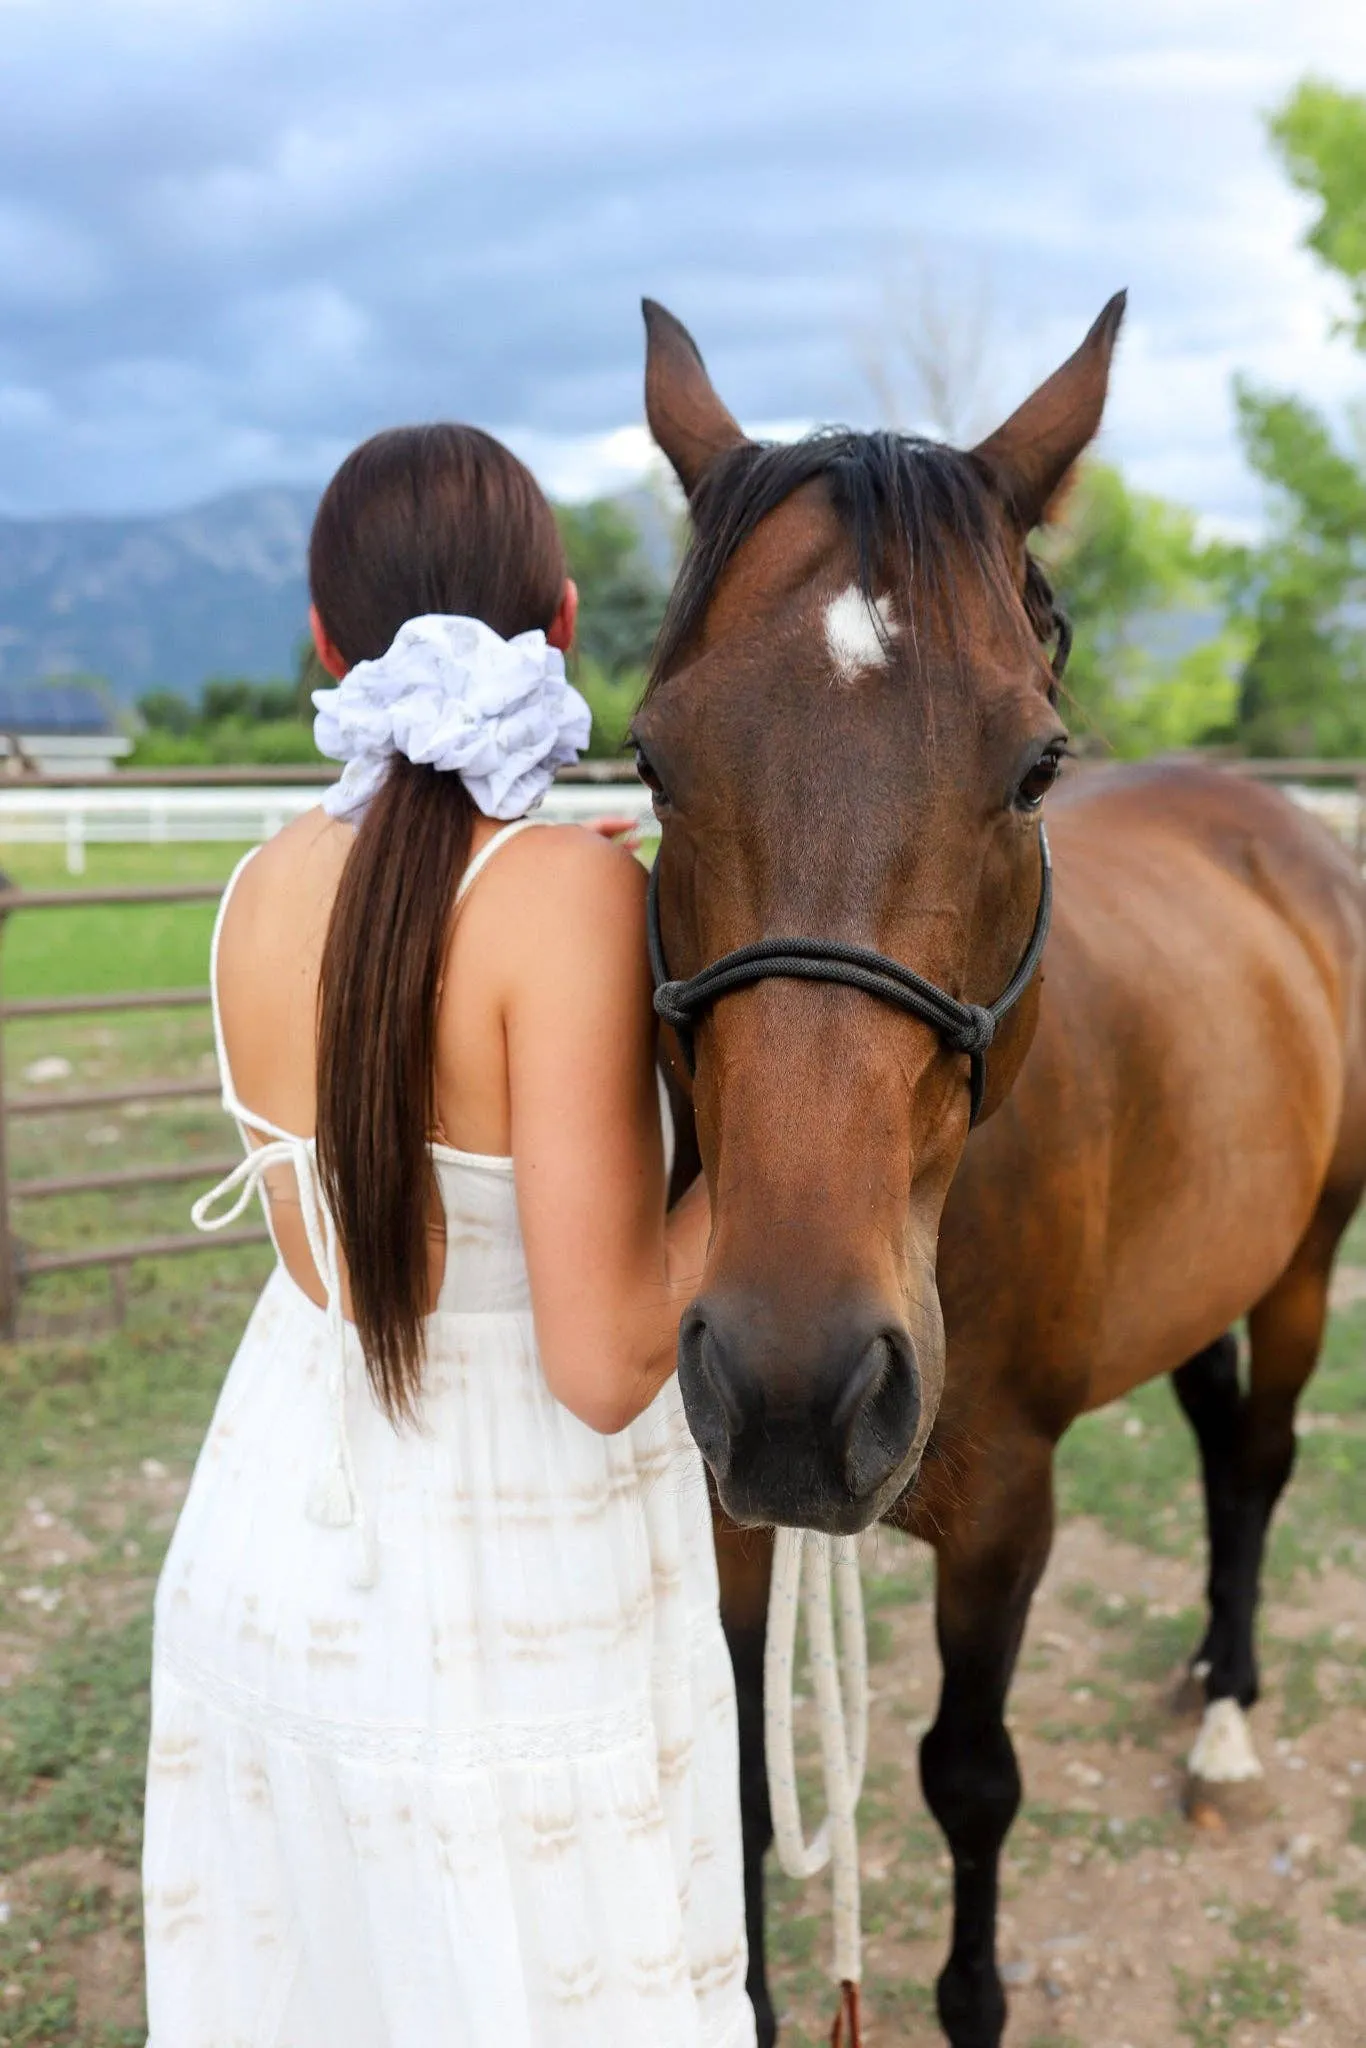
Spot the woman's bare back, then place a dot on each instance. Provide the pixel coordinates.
(545, 1056)
(269, 964)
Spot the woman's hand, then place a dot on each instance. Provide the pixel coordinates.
(624, 831)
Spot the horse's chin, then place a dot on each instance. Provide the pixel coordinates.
(815, 1508)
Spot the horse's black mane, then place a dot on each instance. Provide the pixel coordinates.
(905, 502)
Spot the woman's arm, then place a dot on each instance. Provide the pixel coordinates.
(610, 1276)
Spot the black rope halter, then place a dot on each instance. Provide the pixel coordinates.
(964, 1027)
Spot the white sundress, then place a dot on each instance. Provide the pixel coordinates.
(443, 1747)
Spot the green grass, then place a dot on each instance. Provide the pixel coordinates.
(95, 1413)
(79, 1406)
(1262, 1927)
(1133, 1466)
(98, 952)
(1248, 1988)
(74, 1737)
(36, 1950)
(1142, 1488)
(1251, 1986)
(103, 1051)
(1349, 1906)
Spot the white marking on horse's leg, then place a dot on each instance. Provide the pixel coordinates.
(855, 632)
(1223, 1752)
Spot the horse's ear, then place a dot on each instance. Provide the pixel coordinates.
(1031, 456)
(686, 417)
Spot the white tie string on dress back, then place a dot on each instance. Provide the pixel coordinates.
(804, 1563)
(334, 1498)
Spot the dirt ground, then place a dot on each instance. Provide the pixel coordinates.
(1123, 1926)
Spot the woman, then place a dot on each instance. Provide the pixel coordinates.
(443, 1743)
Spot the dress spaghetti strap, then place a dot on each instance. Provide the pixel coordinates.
(242, 1116)
(486, 852)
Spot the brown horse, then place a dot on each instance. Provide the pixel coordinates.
(851, 728)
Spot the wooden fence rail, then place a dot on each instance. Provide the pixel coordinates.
(17, 1264)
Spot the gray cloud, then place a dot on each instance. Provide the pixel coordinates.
(236, 237)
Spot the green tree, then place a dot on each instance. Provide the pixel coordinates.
(166, 711)
(1302, 591)
(1154, 662)
(1320, 133)
(250, 702)
(309, 675)
(236, 723)
(622, 599)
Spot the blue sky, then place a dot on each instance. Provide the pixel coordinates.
(238, 235)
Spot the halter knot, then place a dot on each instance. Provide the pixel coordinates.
(668, 1006)
(975, 1033)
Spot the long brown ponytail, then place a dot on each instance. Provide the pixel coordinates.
(421, 519)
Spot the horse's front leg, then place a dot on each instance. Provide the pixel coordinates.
(990, 1557)
(744, 1560)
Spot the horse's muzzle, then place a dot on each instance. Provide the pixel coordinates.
(818, 1436)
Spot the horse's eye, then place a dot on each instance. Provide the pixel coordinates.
(1039, 780)
(645, 769)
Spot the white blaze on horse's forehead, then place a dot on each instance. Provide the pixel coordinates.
(856, 632)
(1223, 1752)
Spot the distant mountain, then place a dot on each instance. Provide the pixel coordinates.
(158, 602)
(164, 602)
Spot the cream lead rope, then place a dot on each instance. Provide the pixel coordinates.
(806, 1563)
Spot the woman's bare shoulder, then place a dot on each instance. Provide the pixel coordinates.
(556, 892)
(566, 865)
(289, 881)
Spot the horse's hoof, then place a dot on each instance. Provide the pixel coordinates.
(1224, 1781)
(972, 2012)
(1218, 1806)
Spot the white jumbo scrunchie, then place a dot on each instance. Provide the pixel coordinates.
(452, 694)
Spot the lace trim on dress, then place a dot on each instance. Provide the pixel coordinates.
(558, 1738)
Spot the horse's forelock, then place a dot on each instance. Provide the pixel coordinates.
(908, 506)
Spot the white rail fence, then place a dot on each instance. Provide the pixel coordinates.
(78, 818)
(95, 815)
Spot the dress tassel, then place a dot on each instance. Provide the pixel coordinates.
(331, 1502)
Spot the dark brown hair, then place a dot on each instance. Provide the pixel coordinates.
(417, 520)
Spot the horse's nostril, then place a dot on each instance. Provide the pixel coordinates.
(706, 1379)
(877, 1413)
